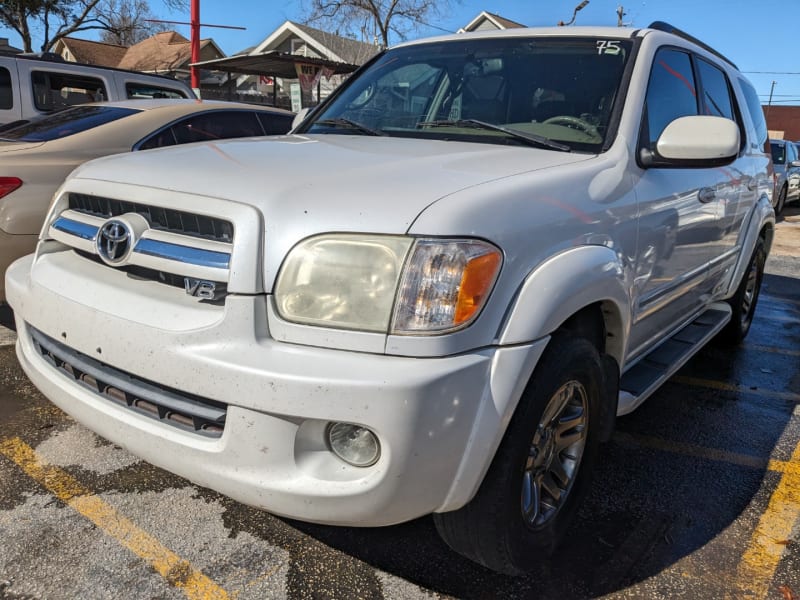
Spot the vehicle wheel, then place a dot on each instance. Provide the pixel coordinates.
(781, 201)
(744, 301)
(542, 468)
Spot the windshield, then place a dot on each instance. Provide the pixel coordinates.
(559, 89)
(65, 123)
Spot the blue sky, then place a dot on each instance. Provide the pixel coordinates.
(760, 36)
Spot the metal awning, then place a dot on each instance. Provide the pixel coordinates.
(272, 63)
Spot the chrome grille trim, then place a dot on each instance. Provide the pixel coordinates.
(184, 254)
(81, 230)
(208, 260)
(185, 411)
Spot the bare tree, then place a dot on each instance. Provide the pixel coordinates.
(128, 22)
(52, 20)
(374, 21)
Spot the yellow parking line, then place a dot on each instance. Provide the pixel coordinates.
(729, 387)
(770, 538)
(773, 350)
(744, 460)
(178, 572)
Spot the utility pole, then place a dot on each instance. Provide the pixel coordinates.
(620, 13)
(769, 103)
(195, 26)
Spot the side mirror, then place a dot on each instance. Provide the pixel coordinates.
(299, 117)
(694, 142)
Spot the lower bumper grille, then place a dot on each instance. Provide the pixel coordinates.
(184, 411)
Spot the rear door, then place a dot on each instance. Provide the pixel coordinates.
(682, 237)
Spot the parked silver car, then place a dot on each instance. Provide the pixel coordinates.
(787, 173)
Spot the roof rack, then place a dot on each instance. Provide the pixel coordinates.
(662, 26)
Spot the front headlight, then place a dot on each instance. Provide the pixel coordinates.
(386, 284)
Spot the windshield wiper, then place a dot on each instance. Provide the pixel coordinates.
(341, 122)
(530, 138)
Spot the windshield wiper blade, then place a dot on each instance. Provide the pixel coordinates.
(531, 138)
(341, 122)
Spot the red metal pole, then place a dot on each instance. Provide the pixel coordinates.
(195, 21)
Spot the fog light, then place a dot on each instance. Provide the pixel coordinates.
(354, 444)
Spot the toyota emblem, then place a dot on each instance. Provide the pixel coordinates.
(114, 242)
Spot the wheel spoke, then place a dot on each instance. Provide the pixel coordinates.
(571, 421)
(550, 486)
(531, 496)
(568, 439)
(559, 472)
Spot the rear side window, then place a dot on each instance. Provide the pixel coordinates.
(6, 93)
(778, 153)
(716, 93)
(54, 91)
(65, 123)
(671, 92)
(275, 124)
(755, 110)
(140, 90)
(205, 127)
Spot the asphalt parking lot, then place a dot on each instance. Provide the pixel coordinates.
(697, 496)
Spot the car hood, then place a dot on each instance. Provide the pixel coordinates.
(327, 182)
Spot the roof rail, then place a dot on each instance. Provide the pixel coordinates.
(662, 26)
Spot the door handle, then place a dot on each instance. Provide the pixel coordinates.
(706, 195)
(752, 185)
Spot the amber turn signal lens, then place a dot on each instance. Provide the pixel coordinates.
(476, 283)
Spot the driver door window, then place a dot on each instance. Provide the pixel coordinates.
(671, 93)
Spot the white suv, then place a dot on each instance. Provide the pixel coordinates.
(434, 297)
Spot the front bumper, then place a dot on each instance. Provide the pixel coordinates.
(438, 420)
(11, 248)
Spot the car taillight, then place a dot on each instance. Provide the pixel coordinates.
(9, 184)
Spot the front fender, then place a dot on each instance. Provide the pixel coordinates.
(562, 286)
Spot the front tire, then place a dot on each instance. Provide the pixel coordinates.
(781, 201)
(541, 470)
(743, 302)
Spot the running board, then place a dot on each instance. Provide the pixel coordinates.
(647, 375)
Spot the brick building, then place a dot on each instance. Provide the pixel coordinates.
(783, 121)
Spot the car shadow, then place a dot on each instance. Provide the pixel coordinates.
(676, 475)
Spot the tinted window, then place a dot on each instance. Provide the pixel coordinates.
(755, 110)
(275, 124)
(140, 90)
(54, 91)
(65, 123)
(671, 93)
(6, 93)
(716, 93)
(778, 153)
(217, 125)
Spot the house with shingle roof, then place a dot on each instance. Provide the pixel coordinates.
(490, 21)
(6, 48)
(302, 40)
(89, 52)
(165, 53)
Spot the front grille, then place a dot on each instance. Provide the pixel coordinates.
(164, 219)
(173, 407)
